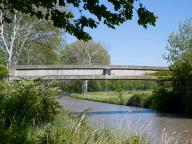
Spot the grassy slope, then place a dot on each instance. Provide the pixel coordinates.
(109, 97)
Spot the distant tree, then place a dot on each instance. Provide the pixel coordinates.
(85, 53)
(111, 13)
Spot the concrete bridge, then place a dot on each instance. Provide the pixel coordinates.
(83, 72)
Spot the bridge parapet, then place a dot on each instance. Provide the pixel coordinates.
(84, 72)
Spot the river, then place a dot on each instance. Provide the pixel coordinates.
(130, 118)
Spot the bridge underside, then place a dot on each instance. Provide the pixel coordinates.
(78, 72)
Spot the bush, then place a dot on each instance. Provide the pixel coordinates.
(163, 99)
(140, 99)
(3, 72)
(176, 96)
(24, 104)
(182, 83)
(135, 100)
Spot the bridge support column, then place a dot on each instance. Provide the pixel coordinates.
(85, 86)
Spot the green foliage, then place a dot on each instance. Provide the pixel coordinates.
(141, 99)
(24, 104)
(30, 113)
(134, 101)
(70, 86)
(85, 53)
(2, 57)
(179, 43)
(182, 84)
(109, 85)
(162, 75)
(131, 85)
(3, 72)
(27, 102)
(35, 42)
(75, 25)
(70, 130)
(163, 98)
(120, 98)
(3, 68)
(134, 139)
(43, 45)
(176, 96)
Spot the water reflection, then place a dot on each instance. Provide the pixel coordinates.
(118, 112)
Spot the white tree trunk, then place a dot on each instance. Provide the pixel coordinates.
(8, 43)
(19, 34)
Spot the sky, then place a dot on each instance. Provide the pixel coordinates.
(131, 44)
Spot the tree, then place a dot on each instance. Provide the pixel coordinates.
(99, 12)
(43, 45)
(26, 40)
(85, 53)
(180, 44)
(178, 95)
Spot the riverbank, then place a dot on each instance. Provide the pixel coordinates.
(159, 128)
(129, 98)
(31, 113)
(76, 130)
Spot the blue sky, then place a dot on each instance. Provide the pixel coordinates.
(130, 44)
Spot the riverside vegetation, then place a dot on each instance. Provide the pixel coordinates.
(176, 96)
(130, 98)
(30, 113)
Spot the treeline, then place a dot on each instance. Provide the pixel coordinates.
(106, 85)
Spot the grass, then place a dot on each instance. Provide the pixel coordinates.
(68, 129)
(106, 97)
(121, 98)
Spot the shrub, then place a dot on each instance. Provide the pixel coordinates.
(135, 100)
(3, 72)
(27, 101)
(24, 104)
(182, 83)
(164, 99)
(140, 99)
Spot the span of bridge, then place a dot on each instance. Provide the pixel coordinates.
(83, 72)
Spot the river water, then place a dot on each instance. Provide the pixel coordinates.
(128, 118)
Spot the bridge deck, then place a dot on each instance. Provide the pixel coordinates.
(84, 72)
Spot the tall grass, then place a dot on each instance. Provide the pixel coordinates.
(68, 130)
